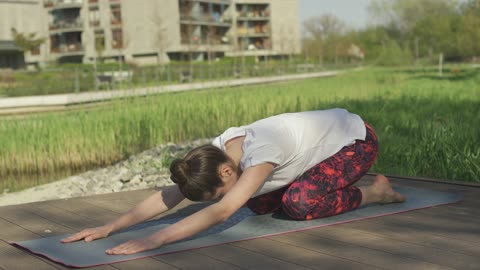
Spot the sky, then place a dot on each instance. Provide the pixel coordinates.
(352, 12)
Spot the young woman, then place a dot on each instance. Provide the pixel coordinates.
(303, 164)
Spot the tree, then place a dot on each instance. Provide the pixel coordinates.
(27, 42)
(324, 32)
(405, 14)
(469, 38)
(427, 26)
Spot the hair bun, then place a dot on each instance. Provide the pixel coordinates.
(179, 170)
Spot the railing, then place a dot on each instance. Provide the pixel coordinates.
(207, 18)
(248, 15)
(225, 2)
(115, 21)
(66, 24)
(253, 47)
(68, 48)
(252, 32)
(259, 18)
(55, 3)
(95, 23)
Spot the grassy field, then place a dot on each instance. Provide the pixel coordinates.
(427, 125)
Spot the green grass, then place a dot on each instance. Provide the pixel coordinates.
(427, 125)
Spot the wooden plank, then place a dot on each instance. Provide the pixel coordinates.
(397, 247)
(192, 260)
(356, 253)
(300, 255)
(11, 232)
(86, 211)
(466, 208)
(129, 196)
(64, 218)
(441, 225)
(144, 264)
(116, 206)
(27, 218)
(452, 213)
(237, 256)
(400, 233)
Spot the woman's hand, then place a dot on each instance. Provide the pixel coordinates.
(89, 234)
(135, 246)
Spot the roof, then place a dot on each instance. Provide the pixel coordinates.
(9, 45)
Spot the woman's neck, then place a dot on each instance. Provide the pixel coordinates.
(233, 149)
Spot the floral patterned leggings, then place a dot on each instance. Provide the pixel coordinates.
(326, 188)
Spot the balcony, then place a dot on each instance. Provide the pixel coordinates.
(259, 18)
(68, 49)
(224, 2)
(66, 25)
(206, 19)
(254, 44)
(116, 22)
(59, 4)
(252, 12)
(253, 32)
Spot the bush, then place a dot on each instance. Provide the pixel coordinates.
(394, 55)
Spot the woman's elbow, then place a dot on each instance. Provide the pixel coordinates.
(224, 214)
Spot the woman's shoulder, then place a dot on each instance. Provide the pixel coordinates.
(227, 135)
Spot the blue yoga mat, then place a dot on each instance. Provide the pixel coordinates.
(243, 225)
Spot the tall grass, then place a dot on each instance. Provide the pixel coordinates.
(427, 125)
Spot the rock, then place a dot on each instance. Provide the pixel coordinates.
(136, 180)
(116, 187)
(91, 185)
(151, 178)
(148, 169)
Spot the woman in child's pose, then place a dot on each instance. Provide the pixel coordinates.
(303, 164)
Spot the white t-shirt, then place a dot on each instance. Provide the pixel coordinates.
(295, 142)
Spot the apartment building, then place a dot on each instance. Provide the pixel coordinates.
(149, 31)
(23, 15)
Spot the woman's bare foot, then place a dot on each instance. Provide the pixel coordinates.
(381, 186)
(380, 192)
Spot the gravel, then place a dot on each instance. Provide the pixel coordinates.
(145, 170)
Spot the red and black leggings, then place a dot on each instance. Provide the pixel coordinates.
(326, 188)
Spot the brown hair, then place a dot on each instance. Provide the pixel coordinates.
(197, 173)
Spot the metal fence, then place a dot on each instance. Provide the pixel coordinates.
(86, 78)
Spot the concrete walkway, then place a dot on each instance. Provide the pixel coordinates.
(42, 103)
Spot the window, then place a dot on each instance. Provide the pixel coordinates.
(99, 40)
(117, 38)
(116, 14)
(94, 16)
(35, 51)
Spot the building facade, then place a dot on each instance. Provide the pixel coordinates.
(152, 31)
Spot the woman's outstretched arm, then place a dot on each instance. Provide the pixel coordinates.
(249, 182)
(159, 202)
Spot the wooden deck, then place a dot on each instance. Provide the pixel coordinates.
(443, 237)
